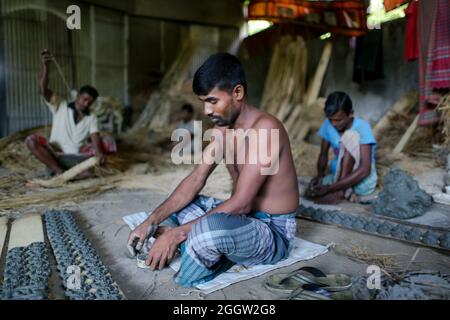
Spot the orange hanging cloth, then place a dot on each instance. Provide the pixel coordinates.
(393, 4)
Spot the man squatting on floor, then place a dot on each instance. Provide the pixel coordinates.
(353, 171)
(257, 224)
(72, 125)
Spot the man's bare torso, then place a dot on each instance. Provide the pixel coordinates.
(279, 194)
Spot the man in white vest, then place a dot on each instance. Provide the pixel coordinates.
(73, 125)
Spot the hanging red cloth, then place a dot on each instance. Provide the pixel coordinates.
(434, 26)
(438, 61)
(411, 34)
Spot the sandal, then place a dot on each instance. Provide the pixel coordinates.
(312, 292)
(289, 282)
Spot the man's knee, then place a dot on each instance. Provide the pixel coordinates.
(220, 222)
(215, 234)
(350, 143)
(199, 230)
(200, 236)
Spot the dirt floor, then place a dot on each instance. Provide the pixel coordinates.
(100, 216)
(102, 220)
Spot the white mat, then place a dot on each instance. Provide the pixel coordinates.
(303, 250)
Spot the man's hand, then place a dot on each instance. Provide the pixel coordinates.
(46, 57)
(138, 236)
(320, 191)
(164, 248)
(314, 184)
(317, 181)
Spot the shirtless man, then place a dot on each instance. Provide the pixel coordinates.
(256, 225)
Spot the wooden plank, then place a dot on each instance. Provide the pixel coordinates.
(68, 175)
(25, 231)
(3, 232)
(314, 88)
(404, 104)
(293, 118)
(404, 140)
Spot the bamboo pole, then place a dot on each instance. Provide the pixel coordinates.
(314, 88)
(67, 175)
(404, 140)
(404, 104)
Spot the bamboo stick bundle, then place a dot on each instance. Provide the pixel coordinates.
(61, 196)
(290, 84)
(300, 126)
(270, 75)
(276, 82)
(310, 117)
(314, 87)
(285, 80)
(298, 93)
(298, 107)
(303, 62)
(157, 111)
(293, 117)
(444, 107)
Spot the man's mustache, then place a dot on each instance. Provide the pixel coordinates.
(216, 119)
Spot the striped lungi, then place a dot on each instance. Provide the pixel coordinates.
(220, 240)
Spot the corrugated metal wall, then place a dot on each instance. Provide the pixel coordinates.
(111, 52)
(111, 47)
(84, 56)
(28, 30)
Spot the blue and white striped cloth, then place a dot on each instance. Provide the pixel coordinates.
(220, 240)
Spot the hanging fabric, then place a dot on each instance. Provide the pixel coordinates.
(434, 69)
(412, 32)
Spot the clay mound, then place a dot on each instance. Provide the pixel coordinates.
(401, 197)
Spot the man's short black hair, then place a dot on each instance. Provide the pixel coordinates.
(188, 108)
(337, 101)
(221, 70)
(90, 91)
